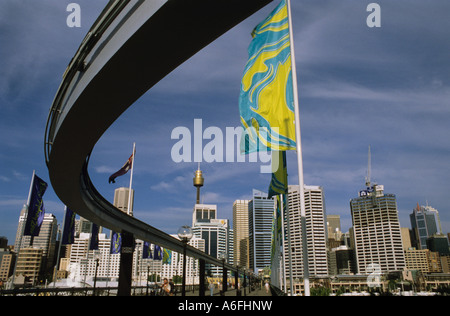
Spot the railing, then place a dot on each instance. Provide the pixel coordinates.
(151, 290)
(81, 291)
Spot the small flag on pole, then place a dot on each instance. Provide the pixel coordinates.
(266, 101)
(167, 256)
(127, 166)
(93, 244)
(147, 252)
(158, 253)
(36, 210)
(68, 236)
(277, 232)
(116, 243)
(278, 184)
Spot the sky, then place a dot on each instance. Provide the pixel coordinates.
(387, 87)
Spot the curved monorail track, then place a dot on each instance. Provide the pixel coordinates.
(131, 47)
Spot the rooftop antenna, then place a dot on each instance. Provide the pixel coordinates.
(368, 184)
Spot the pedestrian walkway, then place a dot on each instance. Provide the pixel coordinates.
(233, 292)
(257, 292)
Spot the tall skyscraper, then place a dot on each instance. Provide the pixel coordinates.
(20, 239)
(83, 225)
(260, 210)
(46, 240)
(204, 213)
(240, 228)
(334, 227)
(215, 232)
(425, 223)
(121, 196)
(376, 228)
(406, 238)
(316, 231)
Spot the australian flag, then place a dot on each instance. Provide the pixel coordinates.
(127, 166)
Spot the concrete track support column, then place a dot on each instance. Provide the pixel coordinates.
(126, 264)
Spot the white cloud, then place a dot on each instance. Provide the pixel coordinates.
(162, 186)
(5, 179)
(105, 169)
(216, 198)
(6, 201)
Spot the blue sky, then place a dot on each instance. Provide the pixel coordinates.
(386, 87)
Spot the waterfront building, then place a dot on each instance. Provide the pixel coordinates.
(121, 197)
(7, 262)
(29, 264)
(45, 240)
(240, 230)
(82, 263)
(316, 231)
(216, 233)
(376, 228)
(260, 217)
(175, 267)
(425, 223)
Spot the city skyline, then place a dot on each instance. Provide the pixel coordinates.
(358, 86)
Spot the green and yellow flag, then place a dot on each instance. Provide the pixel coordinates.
(279, 183)
(277, 229)
(167, 256)
(266, 101)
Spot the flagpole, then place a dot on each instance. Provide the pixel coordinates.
(283, 254)
(291, 283)
(299, 158)
(59, 248)
(87, 256)
(129, 211)
(108, 271)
